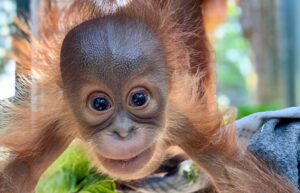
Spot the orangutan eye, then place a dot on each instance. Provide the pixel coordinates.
(139, 98)
(100, 102)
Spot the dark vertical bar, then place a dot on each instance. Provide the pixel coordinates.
(23, 11)
(287, 10)
(297, 50)
(23, 7)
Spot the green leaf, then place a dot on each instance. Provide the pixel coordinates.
(106, 186)
(62, 181)
(72, 172)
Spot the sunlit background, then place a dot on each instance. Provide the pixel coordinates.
(256, 45)
(7, 67)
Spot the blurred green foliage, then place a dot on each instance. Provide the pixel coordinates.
(232, 57)
(72, 172)
(248, 110)
(234, 68)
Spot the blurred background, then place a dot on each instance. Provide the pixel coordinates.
(255, 45)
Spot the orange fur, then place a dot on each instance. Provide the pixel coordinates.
(38, 125)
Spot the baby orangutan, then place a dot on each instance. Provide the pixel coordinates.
(129, 83)
(105, 78)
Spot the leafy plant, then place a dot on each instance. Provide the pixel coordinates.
(73, 173)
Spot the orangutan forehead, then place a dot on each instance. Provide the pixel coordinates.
(114, 46)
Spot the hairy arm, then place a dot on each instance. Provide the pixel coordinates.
(25, 167)
(231, 168)
(33, 139)
(239, 173)
(199, 131)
